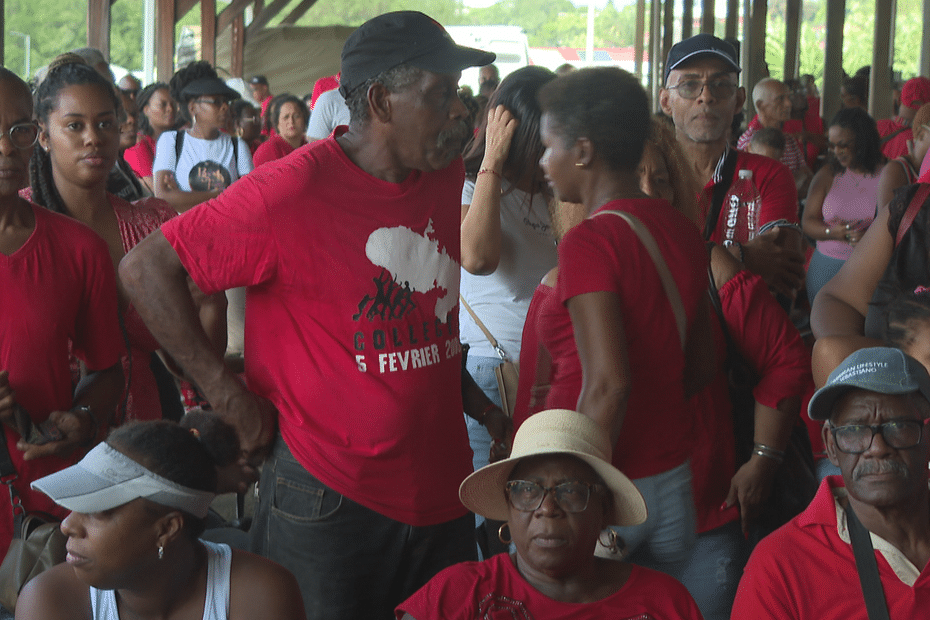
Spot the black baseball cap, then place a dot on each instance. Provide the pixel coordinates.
(700, 45)
(209, 86)
(259, 79)
(411, 37)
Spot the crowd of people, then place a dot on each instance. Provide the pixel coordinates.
(633, 312)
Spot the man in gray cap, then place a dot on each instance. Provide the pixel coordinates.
(823, 565)
(702, 95)
(349, 252)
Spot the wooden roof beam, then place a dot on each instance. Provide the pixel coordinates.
(225, 19)
(299, 11)
(266, 15)
(183, 7)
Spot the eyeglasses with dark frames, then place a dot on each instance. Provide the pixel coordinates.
(527, 496)
(898, 434)
(691, 89)
(23, 135)
(215, 101)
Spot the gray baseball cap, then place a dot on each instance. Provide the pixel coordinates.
(878, 369)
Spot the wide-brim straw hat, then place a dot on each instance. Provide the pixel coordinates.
(557, 431)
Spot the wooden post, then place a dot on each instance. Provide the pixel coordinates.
(656, 61)
(833, 59)
(238, 45)
(733, 19)
(708, 17)
(754, 46)
(638, 38)
(880, 77)
(924, 67)
(208, 31)
(687, 18)
(164, 30)
(792, 38)
(668, 28)
(98, 25)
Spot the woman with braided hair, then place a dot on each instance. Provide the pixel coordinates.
(195, 164)
(79, 138)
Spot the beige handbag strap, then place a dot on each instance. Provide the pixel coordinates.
(668, 282)
(500, 351)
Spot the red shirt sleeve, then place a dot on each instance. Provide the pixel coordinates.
(228, 242)
(765, 336)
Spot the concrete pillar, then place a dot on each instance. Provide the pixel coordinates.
(833, 59)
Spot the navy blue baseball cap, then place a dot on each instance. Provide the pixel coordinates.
(403, 37)
(877, 369)
(700, 45)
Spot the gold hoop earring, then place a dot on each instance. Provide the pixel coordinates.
(500, 534)
(613, 540)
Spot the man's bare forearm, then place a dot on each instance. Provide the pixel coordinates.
(156, 282)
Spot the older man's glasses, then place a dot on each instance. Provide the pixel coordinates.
(857, 438)
(692, 89)
(528, 496)
(23, 135)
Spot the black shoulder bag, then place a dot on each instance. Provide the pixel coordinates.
(720, 192)
(867, 566)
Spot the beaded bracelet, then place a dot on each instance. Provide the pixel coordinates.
(489, 171)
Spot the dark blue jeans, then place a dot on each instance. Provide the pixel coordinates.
(350, 561)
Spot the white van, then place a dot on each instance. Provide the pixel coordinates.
(508, 42)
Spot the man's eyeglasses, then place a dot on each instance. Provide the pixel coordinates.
(528, 496)
(857, 438)
(215, 101)
(23, 135)
(692, 89)
(249, 120)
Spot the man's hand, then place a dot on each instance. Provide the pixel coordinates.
(750, 487)
(500, 427)
(77, 429)
(776, 255)
(255, 420)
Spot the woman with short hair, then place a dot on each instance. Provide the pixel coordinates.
(138, 504)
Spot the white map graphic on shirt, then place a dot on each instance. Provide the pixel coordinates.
(417, 260)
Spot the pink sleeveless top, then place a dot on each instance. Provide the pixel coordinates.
(851, 198)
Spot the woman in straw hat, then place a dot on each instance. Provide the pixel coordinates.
(557, 493)
(138, 504)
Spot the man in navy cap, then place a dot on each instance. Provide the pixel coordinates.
(864, 541)
(349, 252)
(702, 95)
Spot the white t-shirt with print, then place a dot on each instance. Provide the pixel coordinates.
(204, 165)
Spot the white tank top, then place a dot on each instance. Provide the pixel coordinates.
(219, 561)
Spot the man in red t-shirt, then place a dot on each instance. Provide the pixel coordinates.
(349, 250)
(261, 93)
(702, 96)
(773, 109)
(896, 132)
(876, 405)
